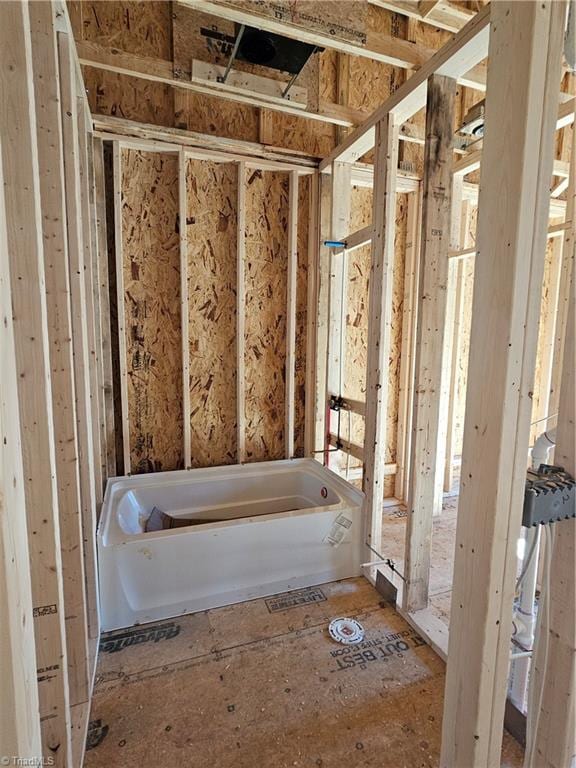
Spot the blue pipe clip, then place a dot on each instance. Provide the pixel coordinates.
(335, 243)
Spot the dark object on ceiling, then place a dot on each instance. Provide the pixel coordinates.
(274, 51)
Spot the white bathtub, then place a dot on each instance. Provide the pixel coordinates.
(271, 527)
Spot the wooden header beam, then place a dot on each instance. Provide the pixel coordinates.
(161, 71)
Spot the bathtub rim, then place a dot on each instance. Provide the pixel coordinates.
(348, 496)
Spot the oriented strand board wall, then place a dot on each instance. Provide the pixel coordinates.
(152, 307)
(129, 97)
(151, 269)
(265, 291)
(211, 246)
(356, 343)
(131, 25)
(355, 360)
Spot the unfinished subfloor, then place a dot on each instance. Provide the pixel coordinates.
(442, 560)
(262, 685)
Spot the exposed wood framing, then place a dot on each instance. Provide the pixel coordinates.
(340, 223)
(184, 305)
(342, 87)
(458, 56)
(242, 82)
(273, 18)
(461, 222)
(69, 108)
(567, 269)
(90, 308)
(407, 358)
(357, 239)
(321, 427)
(312, 276)
(160, 71)
(99, 394)
(104, 303)
(244, 150)
(58, 305)
(240, 313)
(523, 77)
(380, 309)
(443, 15)
(291, 312)
(117, 154)
(552, 697)
(431, 364)
(25, 253)
(19, 708)
(546, 336)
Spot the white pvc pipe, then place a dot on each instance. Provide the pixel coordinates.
(542, 447)
(525, 620)
(525, 615)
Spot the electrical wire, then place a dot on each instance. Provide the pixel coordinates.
(546, 418)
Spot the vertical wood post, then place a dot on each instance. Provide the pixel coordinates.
(292, 267)
(68, 110)
(409, 319)
(430, 372)
(546, 335)
(241, 314)
(552, 708)
(339, 228)
(25, 253)
(95, 293)
(117, 173)
(379, 323)
(312, 302)
(566, 272)
(459, 229)
(104, 301)
(19, 708)
(521, 103)
(91, 312)
(322, 426)
(184, 305)
(58, 306)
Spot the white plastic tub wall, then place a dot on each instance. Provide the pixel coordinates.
(272, 527)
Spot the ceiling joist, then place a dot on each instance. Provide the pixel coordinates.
(274, 17)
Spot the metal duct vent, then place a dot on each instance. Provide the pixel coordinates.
(270, 50)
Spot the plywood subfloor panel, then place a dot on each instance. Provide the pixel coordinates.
(151, 269)
(265, 331)
(211, 247)
(443, 543)
(262, 685)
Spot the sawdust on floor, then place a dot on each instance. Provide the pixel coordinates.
(262, 685)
